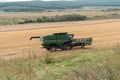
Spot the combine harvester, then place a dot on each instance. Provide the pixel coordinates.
(63, 41)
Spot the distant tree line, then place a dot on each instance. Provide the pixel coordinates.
(57, 18)
(39, 6)
(21, 9)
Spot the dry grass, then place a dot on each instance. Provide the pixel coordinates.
(33, 15)
(71, 65)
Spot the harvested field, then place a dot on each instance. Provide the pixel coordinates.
(15, 42)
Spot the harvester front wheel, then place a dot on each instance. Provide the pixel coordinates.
(52, 48)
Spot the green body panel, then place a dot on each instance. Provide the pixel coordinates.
(57, 39)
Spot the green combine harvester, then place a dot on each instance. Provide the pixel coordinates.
(63, 41)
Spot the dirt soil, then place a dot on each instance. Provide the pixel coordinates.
(15, 41)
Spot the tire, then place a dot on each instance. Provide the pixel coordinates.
(82, 46)
(66, 46)
(52, 48)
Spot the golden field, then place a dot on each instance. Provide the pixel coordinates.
(15, 41)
